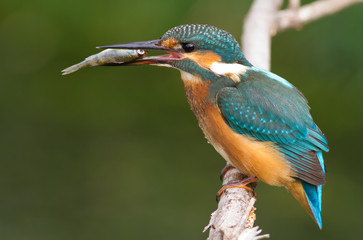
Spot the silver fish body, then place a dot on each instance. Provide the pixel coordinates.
(105, 57)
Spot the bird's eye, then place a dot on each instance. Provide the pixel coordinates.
(188, 47)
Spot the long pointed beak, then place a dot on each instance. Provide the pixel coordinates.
(146, 45)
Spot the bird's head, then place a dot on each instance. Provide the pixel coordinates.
(192, 48)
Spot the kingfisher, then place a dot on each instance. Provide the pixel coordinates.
(256, 120)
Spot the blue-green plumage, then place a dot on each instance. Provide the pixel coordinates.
(314, 196)
(270, 110)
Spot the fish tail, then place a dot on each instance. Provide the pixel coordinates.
(75, 67)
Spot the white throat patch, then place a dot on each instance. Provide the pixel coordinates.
(232, 70)
(190, 78)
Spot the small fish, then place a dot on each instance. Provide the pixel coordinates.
(105, 57)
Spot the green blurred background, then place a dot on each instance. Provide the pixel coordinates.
(116, 153)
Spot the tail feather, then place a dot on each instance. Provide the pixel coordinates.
(313, 196)
(320, 187)
(309, 196)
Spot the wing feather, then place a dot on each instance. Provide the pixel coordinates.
(269, 111)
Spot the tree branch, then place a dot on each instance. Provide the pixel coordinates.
(292, 18)
(235, 215)
(256, 36)
(264, 20)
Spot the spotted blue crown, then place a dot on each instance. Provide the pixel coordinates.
(206, 37)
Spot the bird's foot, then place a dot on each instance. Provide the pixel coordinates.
(241, 184)
(225, 170)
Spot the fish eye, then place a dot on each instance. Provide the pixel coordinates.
(140, 52)
(188, 47)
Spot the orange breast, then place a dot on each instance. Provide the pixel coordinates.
(254, 158)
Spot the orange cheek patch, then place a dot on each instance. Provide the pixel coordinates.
(170, 42)
(204, 59)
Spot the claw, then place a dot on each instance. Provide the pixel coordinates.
(225, 170)
(240, 184)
